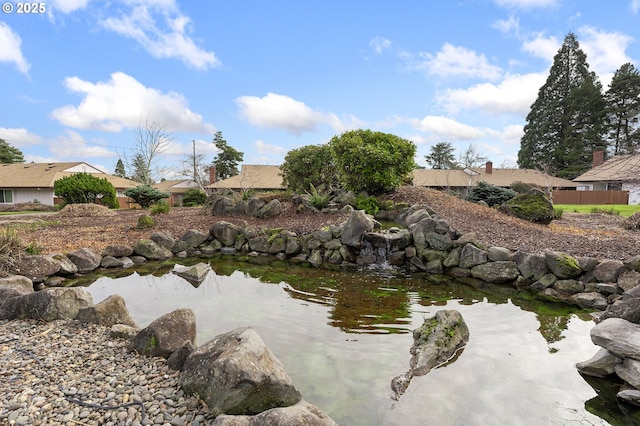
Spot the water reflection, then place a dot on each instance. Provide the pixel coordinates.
(343, 336)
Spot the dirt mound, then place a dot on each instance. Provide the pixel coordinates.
(85, 210)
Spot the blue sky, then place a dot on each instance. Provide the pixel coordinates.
(78, 79)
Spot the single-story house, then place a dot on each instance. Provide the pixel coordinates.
(251, 177)
(177, 188)
(619, 173)
(33, 182)
(458, 180)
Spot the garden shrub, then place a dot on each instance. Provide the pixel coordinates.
(491, 194)
(307, 166)
(146, 195)
(161, 207)
(368, 203)
(319, 199)
(10, 250)
(84, 188)
(145, 222)
(194, 197)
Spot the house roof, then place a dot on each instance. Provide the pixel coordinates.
(498, 177)
(618, 168)
(176, 186)
(252, 177)
(43, 175)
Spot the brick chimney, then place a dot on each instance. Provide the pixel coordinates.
(598, 158)
(489, 168)
(212, 174)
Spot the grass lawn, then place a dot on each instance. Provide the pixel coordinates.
(618, 209)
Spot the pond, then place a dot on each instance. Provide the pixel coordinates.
(343, 336)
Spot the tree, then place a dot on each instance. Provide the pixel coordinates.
(309, 165)
(493, 195)
(152, 139)
(471, 158)
(82, 188)
(10, 154)
(565, 123)
(145, 195)
(195, 167)
(119, 171)
(441, 156)
(227, 159)
(374, 162)
(194, 197)
(623, 111)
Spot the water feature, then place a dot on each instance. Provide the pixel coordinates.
(342, 337)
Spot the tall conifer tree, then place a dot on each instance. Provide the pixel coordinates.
(623, 111)
(565, 124)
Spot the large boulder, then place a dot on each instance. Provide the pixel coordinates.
(298, 414)
(618, 336)
(533, 206)
(254, 204)
(151, 250)
(530, 265)
(496, 272)
(163, 239)
(166, 334)
(357, 224)
(235, 373)
(118, 250)
(52, 303)
(193, 238)
(37, 268)
(195, 274)
(222, 206)
(85, 259)
(11, 288)
(602, 364)
(109, 312)
(272, 208)
(562, 265)
(471, 256)
(608, 271)
(434, 343)
(627, 309)
(225, 232)
(67, 267)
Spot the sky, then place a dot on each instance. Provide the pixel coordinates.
(78, 77)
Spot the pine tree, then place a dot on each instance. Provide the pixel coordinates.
(565, 124)
(623, 111)
(227, 159)
(441, 156)
(120, 172)
(10, 154)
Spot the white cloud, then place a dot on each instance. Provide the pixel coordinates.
(447, 128)
(264, 148)
(19, 137)
(379, 44)
(455, 61)
(605, 50)
(514, 94)
(634, 6)
(68, 6)
(10, 50)
(542, 47)
(275, 111)
(511, 25)
(526, 4)
(72, 145)
(511, 134)
(123, 102)
(164, 36)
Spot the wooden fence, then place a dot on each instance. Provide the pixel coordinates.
(590, 197)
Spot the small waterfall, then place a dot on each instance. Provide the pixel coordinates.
(382, 250)
(375, 256)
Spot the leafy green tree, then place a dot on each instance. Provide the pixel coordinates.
(374, 162)
(227, 159)
(441, 156)
(120, 172)
(10, 154)
(307, 166)
(81, 188)
(146, 195)
(623, 111)
(565, 124)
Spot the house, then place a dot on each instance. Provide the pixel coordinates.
(177, 188)
(617, 174)
(29, 182)
(251, 177)
(458, 180)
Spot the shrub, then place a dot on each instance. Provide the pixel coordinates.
(368, 203)
(372, 162)
(10, 250)
(491, 194)
(145, 222)
(145, 195)
(194, 197)
(84, 188)
(160, 208)
(557, 211)
(307, 166)
(319, 200)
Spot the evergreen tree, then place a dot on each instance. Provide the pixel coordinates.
(623, 111)
(227, 159)
(441, 156)
(10, 154)
(120, 169)
(566, 121)
(141, 172)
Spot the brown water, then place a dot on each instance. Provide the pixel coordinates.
(342, 337)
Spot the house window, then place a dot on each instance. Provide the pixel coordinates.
(614, 186)
(6, 196)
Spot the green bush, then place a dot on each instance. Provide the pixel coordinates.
(145, 195)
(558, 212)
(161, 207)
(372, 162)
(491, 194)
(145, 222)
(306, 166)
(84, 188)
(194, 197)
(368, 203)
(319, 199)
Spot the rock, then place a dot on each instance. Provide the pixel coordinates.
(109, 312)
(628, 280)
(37, 267)
(193, 238)
(532, 206)
(52, 303)
(121, 331)
(544, 282)
(496, 272)
(118, 250)
(225, 232)
(177, 359)
(166, 334)
(587, 264)
(222, 206)
(416, 217)
(11, 288)
(601, 364)
(298, 414)
(633, 263)
(357, 224)
(272, 208)
(194, 274)
(85, 259)
(112, 262)
(562, 265)
(67, 267)
(629, 371)
(151, 250)
(631, 396)
(627, 309)
(497, 254)
(315, 258)
(569, 286)
(530, 265)
(434, 343)
(608, 271)
(618, 336)
(471, 256)
(163, 239)
(591, 300)
(235, 373)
